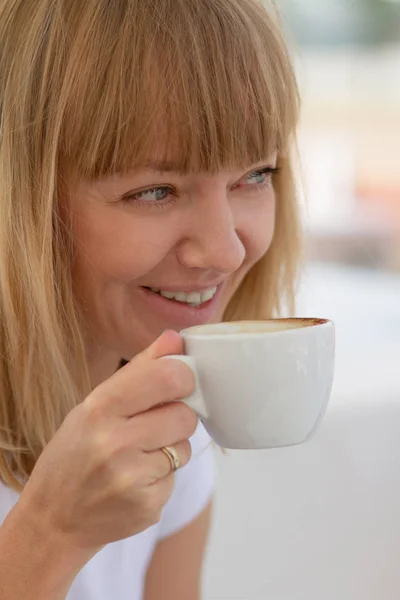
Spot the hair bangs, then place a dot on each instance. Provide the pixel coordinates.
(202, 89)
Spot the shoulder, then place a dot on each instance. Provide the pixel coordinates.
(194, 486)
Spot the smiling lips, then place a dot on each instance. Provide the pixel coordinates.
(193, 299)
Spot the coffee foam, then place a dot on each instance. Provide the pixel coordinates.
(254, 327)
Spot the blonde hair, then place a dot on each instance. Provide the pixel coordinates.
(85, 89)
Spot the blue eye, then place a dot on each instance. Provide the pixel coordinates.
(156, 194)
(261, 176)
(158, 197)
(256, 177)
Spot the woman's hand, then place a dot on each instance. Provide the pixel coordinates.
(103, 476)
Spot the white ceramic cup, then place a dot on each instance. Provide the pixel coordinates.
(260, 384)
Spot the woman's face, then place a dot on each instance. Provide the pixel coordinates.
(159, 250)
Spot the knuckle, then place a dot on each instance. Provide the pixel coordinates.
(103, 400)
(100, 456)
(124, 482)
(92, 408)
(102, 445)
(106, 445)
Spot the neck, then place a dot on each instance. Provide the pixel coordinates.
(102, 366)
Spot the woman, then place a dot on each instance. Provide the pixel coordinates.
(145, 186)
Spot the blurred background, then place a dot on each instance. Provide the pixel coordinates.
(322, 521)
(348, 63)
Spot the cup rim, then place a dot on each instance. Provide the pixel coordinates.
(310, 322)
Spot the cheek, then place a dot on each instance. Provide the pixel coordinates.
(258, 229)
(114, 249)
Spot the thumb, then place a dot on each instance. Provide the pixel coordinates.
(169, 342)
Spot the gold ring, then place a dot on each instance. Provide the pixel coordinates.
(173, 457)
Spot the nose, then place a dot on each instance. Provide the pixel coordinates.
(213, 241)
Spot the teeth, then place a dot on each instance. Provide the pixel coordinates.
(179, 296)
(205, 296)
(193, 298)
(168, 295)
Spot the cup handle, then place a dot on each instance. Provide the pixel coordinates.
(195, 400)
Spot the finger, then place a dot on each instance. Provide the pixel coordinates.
(160, 491)
(157, 465)
(169, 342)
(162, 426)
(142, 387)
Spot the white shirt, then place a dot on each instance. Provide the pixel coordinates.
(118, 571)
